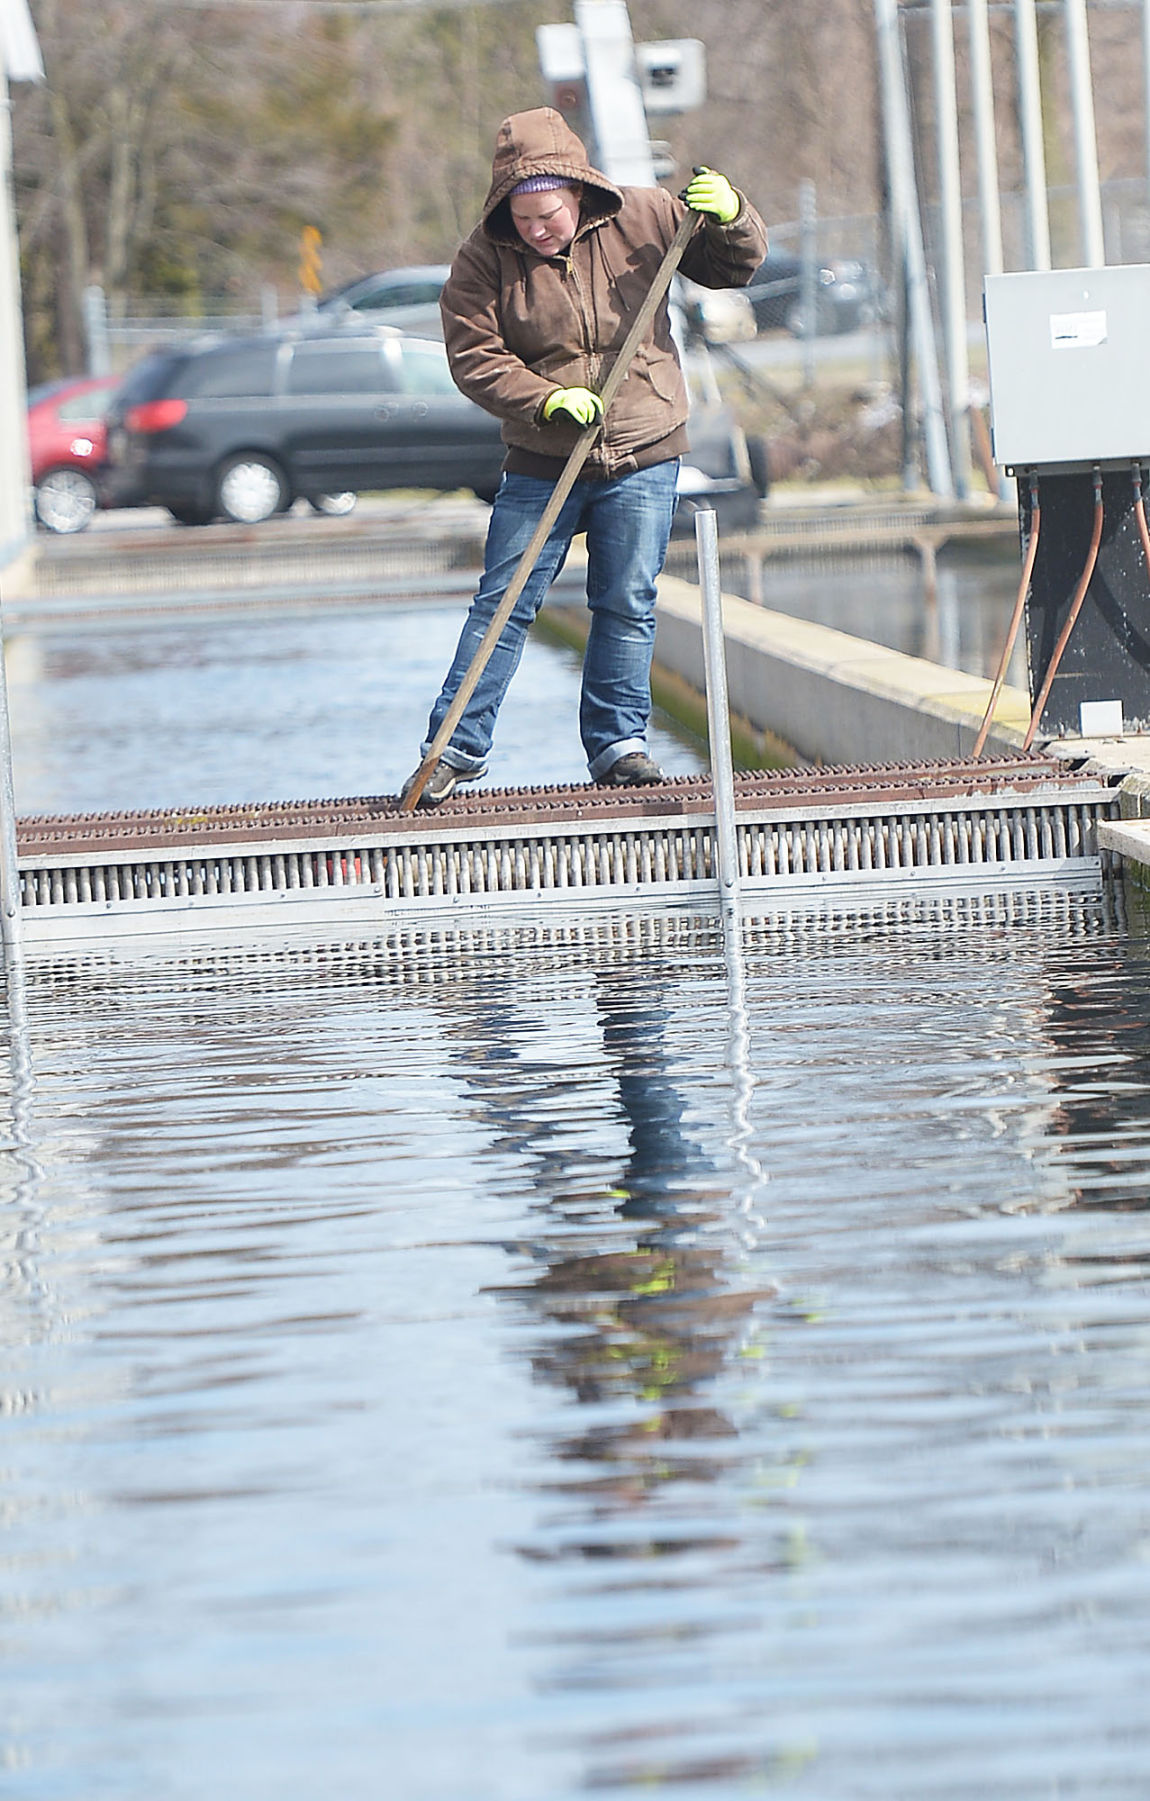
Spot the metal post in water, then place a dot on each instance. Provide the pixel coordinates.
(718, 707)
(727, 858)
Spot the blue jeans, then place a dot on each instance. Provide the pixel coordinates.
(628, 524)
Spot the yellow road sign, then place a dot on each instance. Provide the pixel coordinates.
(311, 259)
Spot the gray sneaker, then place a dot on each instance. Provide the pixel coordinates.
(442, 781)
(635, 770)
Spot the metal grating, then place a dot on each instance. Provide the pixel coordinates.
(396, 870)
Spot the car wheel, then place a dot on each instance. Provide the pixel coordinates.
(250, 489)
(65, 500)
(334, 506)
(190, 514)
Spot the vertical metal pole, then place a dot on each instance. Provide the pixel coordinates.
(623, 145)
(1085, 136)
(1030, 124)
(808, 277)
(906, 222)
(989, 203)
(718, 706)
(954, 263)
(986, 146)
(96, 330)
(905, 388)
(15, 521)
(15, 473)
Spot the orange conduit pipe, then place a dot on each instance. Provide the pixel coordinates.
(1015, 617)
(1072, 615)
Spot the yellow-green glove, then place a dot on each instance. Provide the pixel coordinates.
(580, 405)
(709, 192)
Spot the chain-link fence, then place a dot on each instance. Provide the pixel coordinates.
(117, 339)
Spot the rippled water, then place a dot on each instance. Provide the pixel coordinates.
(493, 1366)
(443, 1368)
(282, 707)
(336, 703)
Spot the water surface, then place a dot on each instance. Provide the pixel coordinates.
(958, 617)
(486, 1365)
(279, 707)
(429, 1374)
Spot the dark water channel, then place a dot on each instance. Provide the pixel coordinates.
(956, 615)
(461, 1366)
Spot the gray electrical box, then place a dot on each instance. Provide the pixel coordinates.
(1069, 366)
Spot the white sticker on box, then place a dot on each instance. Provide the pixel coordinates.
(1077, 331)
(1100, 718)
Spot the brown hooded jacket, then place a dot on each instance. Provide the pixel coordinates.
(518, 325)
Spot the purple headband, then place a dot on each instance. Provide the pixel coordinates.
(539, 184)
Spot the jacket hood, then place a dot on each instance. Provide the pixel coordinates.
(541, 142)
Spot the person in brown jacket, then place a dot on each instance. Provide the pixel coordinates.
(538, 303)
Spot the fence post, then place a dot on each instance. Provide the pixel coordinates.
(96, 330)
(808, 277)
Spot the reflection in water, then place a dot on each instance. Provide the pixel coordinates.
(1098, 1136)
(651, 1319)
(638, 1275)
(408, 1388)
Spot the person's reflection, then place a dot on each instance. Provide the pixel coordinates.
(1098, 1019)
(641, 1285)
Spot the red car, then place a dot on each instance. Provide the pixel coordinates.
(68, 445)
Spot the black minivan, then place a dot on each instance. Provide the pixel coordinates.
(242, 427)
